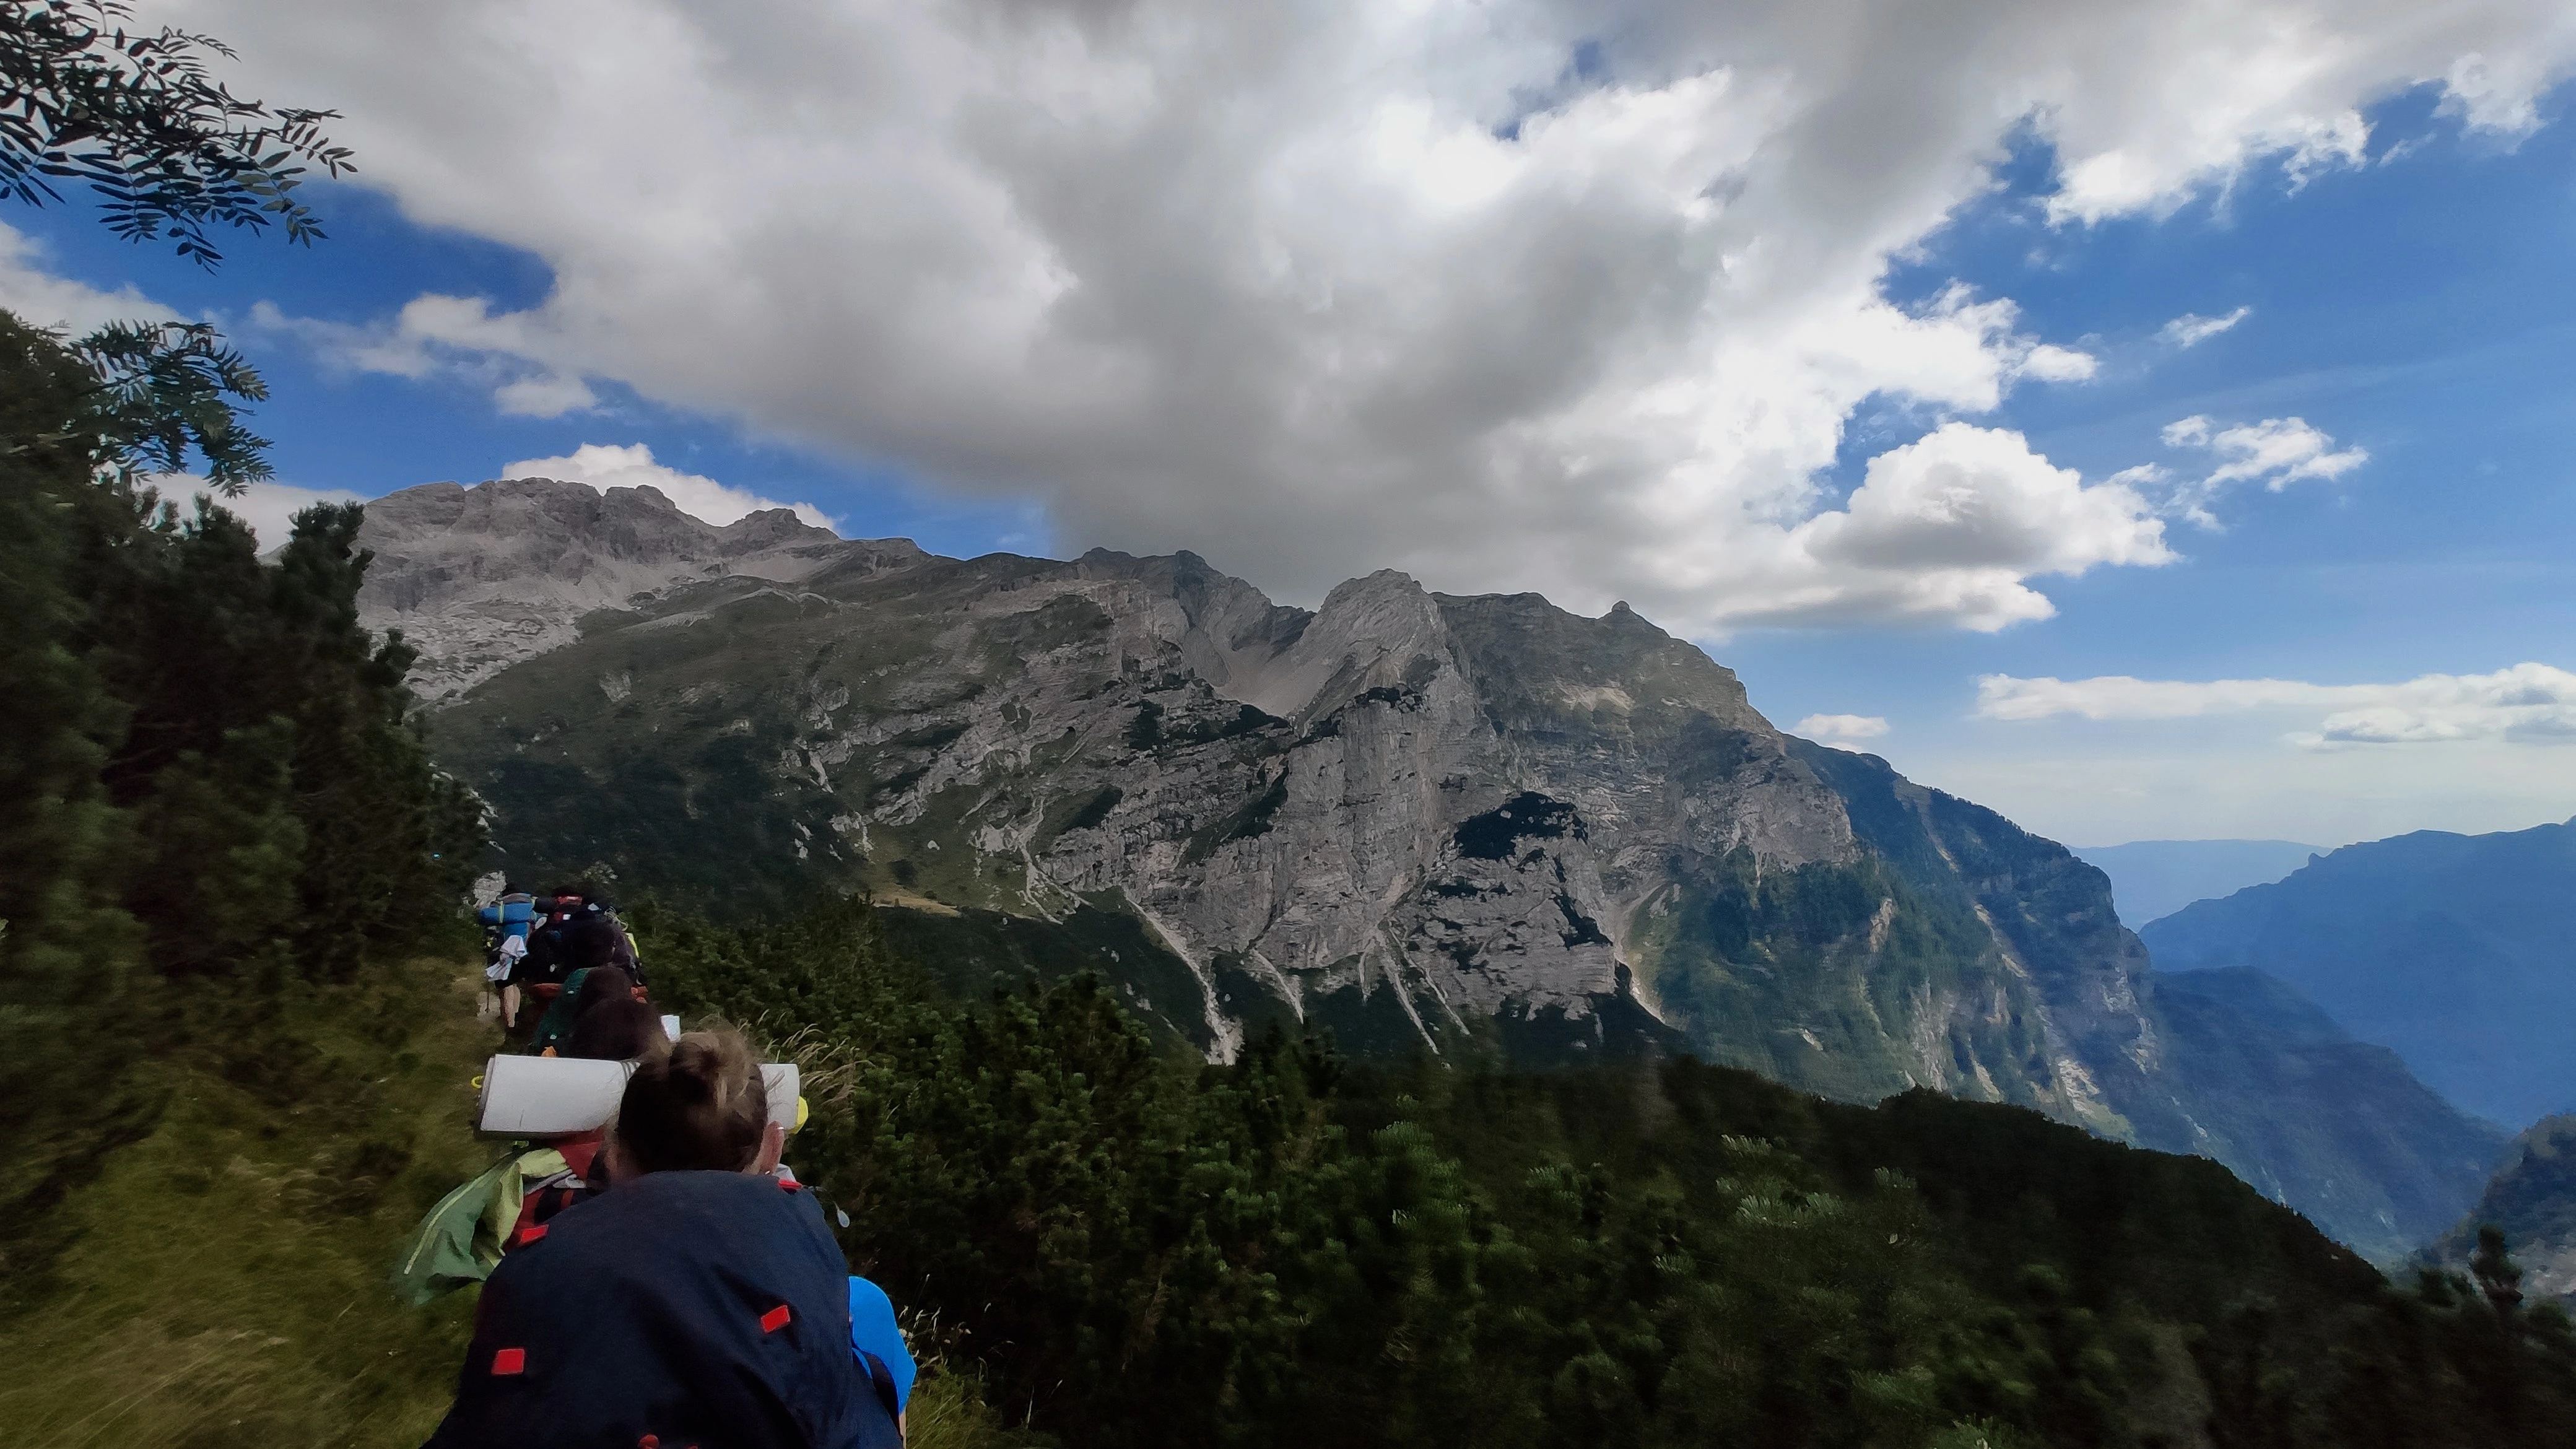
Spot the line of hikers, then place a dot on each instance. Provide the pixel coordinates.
(537, 948)
(663, 1280)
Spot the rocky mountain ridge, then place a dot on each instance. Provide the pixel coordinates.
(481, 578)
(1423, 820)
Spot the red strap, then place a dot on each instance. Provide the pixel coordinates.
(775, 1319)
(531, 1233)
(510, 1361)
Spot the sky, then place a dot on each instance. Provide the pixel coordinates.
(2149, 421)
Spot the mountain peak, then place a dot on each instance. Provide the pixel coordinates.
(480, 578)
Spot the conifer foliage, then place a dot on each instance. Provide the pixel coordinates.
(1129, 1248)
(212, 783)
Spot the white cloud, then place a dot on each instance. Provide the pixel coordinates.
(269, 507)
(1946, 528)
(2276, 452)
(606, 465)
(437, 335)
(1840, 729)
(549, 396)
(42, 299)
(2191, 329)
(1322, 286)
(2526, 703)
(2051, 363)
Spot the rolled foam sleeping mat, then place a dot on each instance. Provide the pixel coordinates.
(567, 1096)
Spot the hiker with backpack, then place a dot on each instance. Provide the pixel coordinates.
(701, 1300)
(479, 1221)
(541, 972)
(584, 991)
(595, 937)
(506, 923)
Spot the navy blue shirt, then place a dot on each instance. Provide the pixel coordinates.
(678, 1309)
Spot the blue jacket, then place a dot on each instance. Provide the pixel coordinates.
(696, 1308)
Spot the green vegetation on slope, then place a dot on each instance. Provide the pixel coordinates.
(2532, 1198)
(212, 789)
(218, 825)
(225, 1279)
(1132, 1248)
(2252, 1077)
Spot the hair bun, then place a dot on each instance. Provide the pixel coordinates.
(701, 1105)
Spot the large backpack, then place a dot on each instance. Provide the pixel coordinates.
(550, 945)
(465, 1235)
(512, 915)
(684, 1307)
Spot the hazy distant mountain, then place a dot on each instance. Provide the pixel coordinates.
(1423, 820)
(2457, 950)
(2152, 878)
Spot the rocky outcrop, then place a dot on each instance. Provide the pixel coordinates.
(1425, 821)
(480, 578)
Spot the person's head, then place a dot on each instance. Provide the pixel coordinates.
(621, 1030)
(699, 1106)
(604, 984)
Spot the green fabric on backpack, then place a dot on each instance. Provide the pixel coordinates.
(461, 1240)
(555, 1027)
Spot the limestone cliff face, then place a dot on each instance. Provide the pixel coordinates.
(1406, 814)
(480, 578)
(1421, 820)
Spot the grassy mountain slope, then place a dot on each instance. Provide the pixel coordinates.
(227, 1280)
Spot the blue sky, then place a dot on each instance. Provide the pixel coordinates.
(337, 427)
(1642, 337)
(2423, 307)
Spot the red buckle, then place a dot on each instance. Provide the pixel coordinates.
(775, 1319)
(509, 1361)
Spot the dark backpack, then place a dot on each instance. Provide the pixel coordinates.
(682, 1308)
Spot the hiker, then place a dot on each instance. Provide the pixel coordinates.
(595, 937)
(506, 923)
(475, 1225)
(615, 1030)
(701, 1300)
(610, 1026)
(582, 990)
(549, 960)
